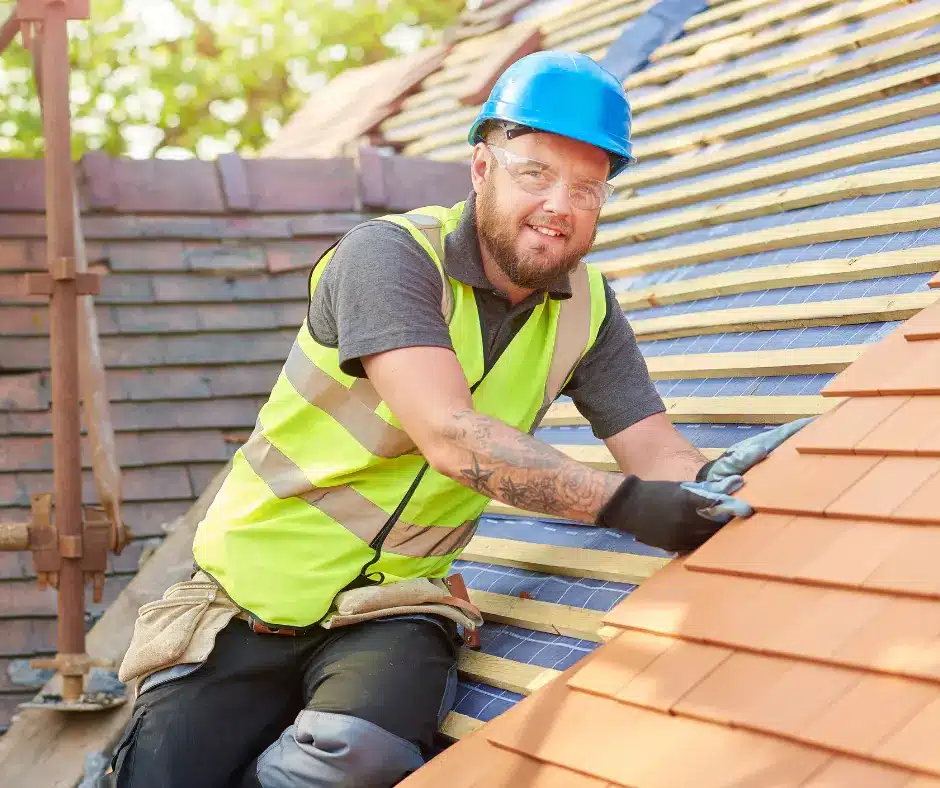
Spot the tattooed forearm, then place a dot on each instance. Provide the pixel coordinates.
(503, 463)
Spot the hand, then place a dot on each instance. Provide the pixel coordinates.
(674, 516)
(747, 453)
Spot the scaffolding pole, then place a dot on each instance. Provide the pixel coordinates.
(72, 546)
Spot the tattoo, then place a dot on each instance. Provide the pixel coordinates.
(504, 463)
(477, 477)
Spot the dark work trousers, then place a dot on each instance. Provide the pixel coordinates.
(206, 729)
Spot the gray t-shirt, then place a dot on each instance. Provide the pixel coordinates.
(381, 291)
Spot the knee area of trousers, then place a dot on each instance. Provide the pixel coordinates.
(322, 750)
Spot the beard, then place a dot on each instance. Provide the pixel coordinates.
(535, 268)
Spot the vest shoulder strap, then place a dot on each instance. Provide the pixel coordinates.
(432, 230)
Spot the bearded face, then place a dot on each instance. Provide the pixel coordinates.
(535, 239)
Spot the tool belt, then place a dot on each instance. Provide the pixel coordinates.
(181, 627)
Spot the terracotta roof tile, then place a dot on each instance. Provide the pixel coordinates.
(923, 506)
(738, 546)
(865, 376)
(912, 566)
(848, 725)
(619, 662)
(507, 769)
(917, 371)
(903, 432)
(846, 425)
(813, 632)
(788, 481)
(856, 551)
(884, 489)
(916, 742)
(632, 746)
(854, 773)
(767, 693)
(803, 548)
(671, 675)
(902, 637)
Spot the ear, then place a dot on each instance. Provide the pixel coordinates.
(479, 167)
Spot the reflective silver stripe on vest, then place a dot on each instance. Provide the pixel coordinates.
(571, 338)
(351, 410)
(353, 511)
(430, 228)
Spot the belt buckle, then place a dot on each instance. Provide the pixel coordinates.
(262, 629)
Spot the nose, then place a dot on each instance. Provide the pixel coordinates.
(557, 201)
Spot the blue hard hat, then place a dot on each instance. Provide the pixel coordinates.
(564, 93)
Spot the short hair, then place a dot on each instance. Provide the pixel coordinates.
(494, 132)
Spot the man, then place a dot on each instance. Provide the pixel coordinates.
(433, 345)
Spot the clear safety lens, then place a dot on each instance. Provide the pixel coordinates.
(539, 178)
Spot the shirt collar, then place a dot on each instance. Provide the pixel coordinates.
(464, 262)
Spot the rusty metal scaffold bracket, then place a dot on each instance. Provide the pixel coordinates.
(69, 542)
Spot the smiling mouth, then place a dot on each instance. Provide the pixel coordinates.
(546, 231)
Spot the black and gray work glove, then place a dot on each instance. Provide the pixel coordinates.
(674, 516)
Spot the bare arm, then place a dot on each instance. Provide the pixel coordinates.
(426, 390)
(653, 449)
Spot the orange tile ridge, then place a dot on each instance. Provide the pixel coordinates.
(831, 625)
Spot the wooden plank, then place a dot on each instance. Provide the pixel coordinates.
(599, 456)
(793, 112)
(505, 510)
(502, 673)
(548, 617)
(613, 19)
(801, 136)
(49, 747)
(882, 58)
(568, 16)
(847, 311)
(897, 179)
(456, 725)
(447, 117)
(756, 363)
(757, 32)
(729, 10)
(918, 260)
(924, 15)
(566, 561)
(883, 147)
(397, 127)
(717, 410)
(786, 236)
(591, 43)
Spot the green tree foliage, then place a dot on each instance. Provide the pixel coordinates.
(201, 77)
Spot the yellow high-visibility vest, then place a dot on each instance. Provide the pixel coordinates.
(328, 462)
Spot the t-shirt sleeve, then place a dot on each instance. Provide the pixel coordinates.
(611, 386)
(381, 291)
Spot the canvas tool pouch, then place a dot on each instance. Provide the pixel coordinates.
(178, 628)
(421, 595)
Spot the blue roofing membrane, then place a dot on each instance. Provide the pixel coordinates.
(557, 651)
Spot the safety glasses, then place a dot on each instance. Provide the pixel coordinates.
(538, 178)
